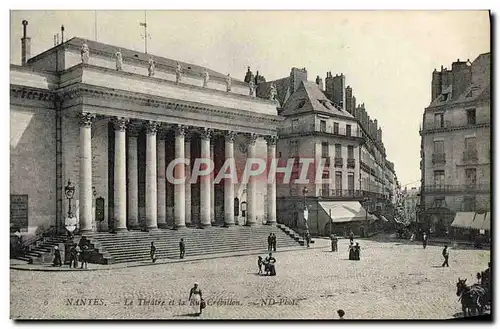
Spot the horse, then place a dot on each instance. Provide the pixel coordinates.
(473, 298)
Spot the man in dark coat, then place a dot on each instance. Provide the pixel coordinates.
(273, 241)
(446, 254)
(351, 236)
(269, 242)
(424, 240)
(334, 242)
(182, 248)
(73, 256)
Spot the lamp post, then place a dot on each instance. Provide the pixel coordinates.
(69, 191)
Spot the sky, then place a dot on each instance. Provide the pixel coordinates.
(387, 56)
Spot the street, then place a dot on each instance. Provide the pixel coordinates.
(391, 281)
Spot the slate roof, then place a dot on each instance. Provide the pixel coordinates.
(309, 98)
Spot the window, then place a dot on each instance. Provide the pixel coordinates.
(470, 144)
(440, 202)
(293, 149)
(439, 147)
(350, 181)
(348, 130)
(336, 128)
(350, 151)
(322, 126)
(469, 203)
(471, 117)
(439, 120)
(295, 125)
(439, 177)
(338, 150)
(470, 176)
(338, 180)
(324, 149)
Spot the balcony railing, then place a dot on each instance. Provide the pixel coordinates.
(439, 125)
(351, 163)
(306, 128)
(456, 188)
(339, 162)
(438, 158)
(346, 193)
(470, 156)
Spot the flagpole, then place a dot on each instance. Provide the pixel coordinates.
(95, 23)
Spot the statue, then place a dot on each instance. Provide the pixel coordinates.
(206, 77)
(151, 67)
(119, 60)
(178, 73)
(272, 92)
(251, 86)
(85, 53)
(228, 83)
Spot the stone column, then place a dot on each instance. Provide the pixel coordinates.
(271, 186)
(228, 182)
(205, 180)
(212, 185)
(187, 154)
(85, 184)
(133, 180)
(120, 182)
(251, 186)
(179, 189)
(151, 189)
(160, 175)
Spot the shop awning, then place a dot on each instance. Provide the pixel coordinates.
(463, 219)
(486, 223)
(478, 222)
(341, 212)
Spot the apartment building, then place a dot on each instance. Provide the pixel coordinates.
(455, 143)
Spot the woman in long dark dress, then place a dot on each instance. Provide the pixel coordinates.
(153, 252)
(351, 251)
(357, 249)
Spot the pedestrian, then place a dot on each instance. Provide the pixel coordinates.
(308, 238)
(85, 256)
(152, 252)
(446, 254)
(273, 242)
(351, 236)
(259, 263)
(269, 242)
(424, 240)
(182, 248)
(351, 251)
(357, 250)
(341, 314)
(412, 237)
(57, 257)
(196, 299)
(73, 256)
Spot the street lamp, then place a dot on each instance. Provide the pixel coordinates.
(69, 191)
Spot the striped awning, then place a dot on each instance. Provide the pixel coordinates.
(487, 223)
(463, 219)
(342, 212)
(478, 222)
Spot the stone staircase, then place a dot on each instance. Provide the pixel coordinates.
(291, 233)
(134, 246)
(40, 252)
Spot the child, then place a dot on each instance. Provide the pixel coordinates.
(259, 262)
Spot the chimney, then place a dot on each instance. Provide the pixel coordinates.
(461, 78)
(436, 84)
(296, 77)
(62, 33)
(25, 44)
(319, 82)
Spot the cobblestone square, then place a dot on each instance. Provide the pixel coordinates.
(391, 281)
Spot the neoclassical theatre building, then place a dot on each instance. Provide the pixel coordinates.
(108, 121)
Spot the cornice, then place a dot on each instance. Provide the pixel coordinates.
(161, 102)
(462, 104)
(32, 93)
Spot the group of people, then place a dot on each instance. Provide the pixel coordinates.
(182, 250)
(76, 254)
(269, 265)
(271, 242)
(354, 251)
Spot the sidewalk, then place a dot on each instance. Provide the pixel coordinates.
(22, 266)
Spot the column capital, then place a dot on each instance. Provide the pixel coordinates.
(252, 138)
(152, 127)
(120, 123)
(271, 139)
(230, 136)
(180, 130)
(206, 133)
(85, 119)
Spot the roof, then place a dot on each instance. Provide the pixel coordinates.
(128, 53)
(479, 88)
(309, 98)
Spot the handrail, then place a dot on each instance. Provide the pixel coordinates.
(38, 237)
